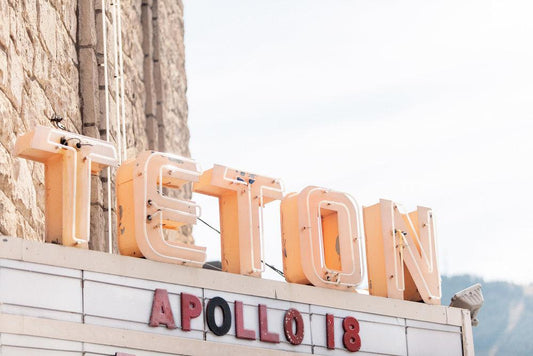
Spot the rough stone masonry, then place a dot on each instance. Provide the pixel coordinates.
(52, 62)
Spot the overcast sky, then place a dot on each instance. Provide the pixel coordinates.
(421, 102)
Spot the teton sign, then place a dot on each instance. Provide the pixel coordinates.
(322, 230)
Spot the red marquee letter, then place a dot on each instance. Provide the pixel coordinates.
(191, 307)
(264, 334)
(161, 310)
(290, 315)
(240, 331)
(351, 338)
(330, 331)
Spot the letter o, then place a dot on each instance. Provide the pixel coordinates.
(290, 315)
(210, 316)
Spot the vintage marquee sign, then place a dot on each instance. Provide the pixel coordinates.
(293, 327)
(322, 230)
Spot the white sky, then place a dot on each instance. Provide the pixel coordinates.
(421, 102)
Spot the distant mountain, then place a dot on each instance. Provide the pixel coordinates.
(506, 318)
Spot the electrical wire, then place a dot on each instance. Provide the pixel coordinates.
(117, 81)
(215, 229)
(274, 268)
(106, 90)
(121, 62)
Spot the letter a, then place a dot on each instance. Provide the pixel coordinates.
(161, 310)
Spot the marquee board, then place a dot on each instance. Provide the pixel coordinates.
(61, 300)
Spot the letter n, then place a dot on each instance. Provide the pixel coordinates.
(402, 255)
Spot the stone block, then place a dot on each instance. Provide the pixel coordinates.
(16, 77)
(91, 130)
(157, 82)
(110, 78)
(30, 14)
(86, 23)
(12, 21)
(146, 23)
(8, 218)
(97, 231)
(3, 70)
(102, 122)
(23, 193)
(151, 132)
(96, 190)
(38, 183)
(4, 24)
(48, 25)
(68, 71)
(66, 48)
(67, 10)
(98, 20)
(150, 104)
(7, 135)
(29, 231)
(110, 44)
(42, 65)
(23, 43)
(64, 99)
(109, 37)
(89, 86)
(6, 171)
(36, 109)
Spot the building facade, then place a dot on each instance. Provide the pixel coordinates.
(66, 58)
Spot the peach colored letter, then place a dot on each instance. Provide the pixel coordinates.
(69, 160)
(321, 239)
(403, 254)
(241, 199)
(144, 211)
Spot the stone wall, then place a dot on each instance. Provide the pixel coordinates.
(52, 62)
